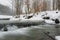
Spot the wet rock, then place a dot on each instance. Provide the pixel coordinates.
(29, 17)
(53, 19)
(56, 12)
(56, 21)
(5, 29)
(46, 17)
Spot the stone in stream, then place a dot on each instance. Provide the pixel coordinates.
(56, 21)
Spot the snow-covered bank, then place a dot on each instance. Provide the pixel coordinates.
(53, 15)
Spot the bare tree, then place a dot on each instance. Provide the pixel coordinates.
(43, 6)
(58, 4)
(37, 6)
(17, 5)
(28, 6)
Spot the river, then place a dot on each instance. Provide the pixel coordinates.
(37, 32)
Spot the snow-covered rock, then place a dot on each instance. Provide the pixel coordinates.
(53, 14)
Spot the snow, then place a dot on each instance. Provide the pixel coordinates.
(57, 37)
(18, 17)
(5, 16)
(49, 21)
(36, 17)
(52, 14)
(12, 19)
(30, 14)
(39, 16)
(22, 16)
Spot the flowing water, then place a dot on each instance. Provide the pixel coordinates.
(39, 32)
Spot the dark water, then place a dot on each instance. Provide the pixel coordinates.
(39, 32)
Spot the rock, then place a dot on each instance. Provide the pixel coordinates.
(56, 21)
(30, 17)
(46, 17)
(5, 29)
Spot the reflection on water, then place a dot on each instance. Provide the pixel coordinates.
(39, 32)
